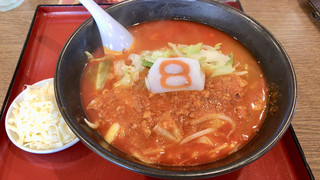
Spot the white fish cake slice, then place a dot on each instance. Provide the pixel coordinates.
(175, 74)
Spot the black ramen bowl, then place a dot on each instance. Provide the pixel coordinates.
(262, 44)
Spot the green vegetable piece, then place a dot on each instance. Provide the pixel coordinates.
(102, 75)
(192, 49)
(149, 59)
(217, 46)
(221, 70)
(125, 81)
(230, 62)
(89, 55)
(159, 54)
(231, 55)
(147, 63)
(156, 55)
(201, 59)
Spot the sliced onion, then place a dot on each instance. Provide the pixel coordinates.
(175, 49)
(236, 65)
(205, 140)
(241, 73)
(210, 117)
(92, 104)
(159, 130)
(153, 151)
(91, 125)
(207, 47)
(142, 158)
(216, 116)
(197, 135)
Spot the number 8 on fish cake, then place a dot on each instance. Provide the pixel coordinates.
(175, 74)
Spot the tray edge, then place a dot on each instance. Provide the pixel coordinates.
(6, 99)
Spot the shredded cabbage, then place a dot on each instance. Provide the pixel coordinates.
(128, 73)
(212, 61)
(126, 80)
(192, 49)
(149, 57)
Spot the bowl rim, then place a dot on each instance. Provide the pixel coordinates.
(150, 171)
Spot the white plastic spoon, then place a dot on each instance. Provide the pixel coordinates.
(113, 35)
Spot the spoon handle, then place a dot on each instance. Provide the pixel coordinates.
(113, 35)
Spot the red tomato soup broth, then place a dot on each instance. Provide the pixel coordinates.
(178, 128)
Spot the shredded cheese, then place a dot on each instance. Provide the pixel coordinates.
(37, 121)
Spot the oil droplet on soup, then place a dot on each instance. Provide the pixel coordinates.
(178, 128)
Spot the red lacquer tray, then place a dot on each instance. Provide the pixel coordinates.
(50, 29)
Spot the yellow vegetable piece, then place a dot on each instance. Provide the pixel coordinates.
(112, 133)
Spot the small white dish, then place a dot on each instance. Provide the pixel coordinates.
(14, 136)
